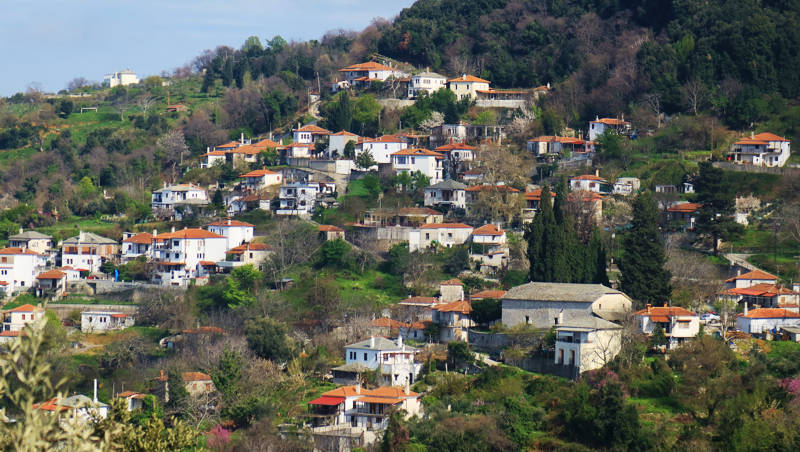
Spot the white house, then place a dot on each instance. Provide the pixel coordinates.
(442, 234)
(467, 86)
(298, 198)
(678, 324)
(309, 134)
(174, 201)
(187, 254)
(364, 73)
(590, 182)
(426, 162)
(18, 268)
(261, 179)
(544, 305)
(555, 145)
(489, 248)
(53, 283)
(31, 240)
(137, 245)
(213, 158)
(458, 152)
(394, 361)
(121, 78)
(766, 320)
(587, 342)
(600, 125)
(102, 321)
(247, 253)
(236, 232)
(361, 411)
(16, 319)
(81, 407)
(750, 279)
(427, 82)
(446, 193)
(764, 149)
(87, 251)
(338, 141)
(627, 186)
(453, 319)
(381, 148)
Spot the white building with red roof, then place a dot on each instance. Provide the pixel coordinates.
(254, 254)
(18, 269)
(599, 126)
(750, 279)
(678, 324)
(137, 245)
(173, 201)
(364, 73)
(467, 86)
(102, 321)
(427, 162)
(236, 232)
(454, 320)
(309, 133)
(764, 149)
(381, 148)
(361, 412)
(458, 152)
(338, 141)
(489, 248)
(438, 234)
(260, 179)
(187, 254)
(15, 319)
(763, 321)
(590, 182)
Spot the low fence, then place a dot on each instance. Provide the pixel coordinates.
(501, 103)
(63, 310)
(757, 169)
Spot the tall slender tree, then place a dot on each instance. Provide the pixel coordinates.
(644, 277)
(715, 218)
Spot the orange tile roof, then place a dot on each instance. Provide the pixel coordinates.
(215, 153)
(386, 322)
(767, 136)
(467, 78)
(666, 311)
(25, 308)
(611, 121)
(462, 306)
(312, 128)
(144, 238)
(419, 300)
(368, 66)
(18, 250)
(329, 228)
(207, 263)
(231, 223)
(131, 394)
(751, 141)
(687, 207)
(494, 294)
(452, 282)
(770, 313)
(248, 247)
(266, 143)
(228, 145)
(556, 139)
(195, 376)
(488, 229)
(50, 405)
(755, 274)
(344, 391)
(189, 233)
(391, 391)
(419, 152)
(51, 274)
(344, 133)
(536, 195)
(455, 146)
(445, 226)
(588, 177)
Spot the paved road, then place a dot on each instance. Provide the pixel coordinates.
(740, 260)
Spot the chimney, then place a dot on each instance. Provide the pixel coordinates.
(242, 138)
(372, 342)
(796, 287)
(20, 230)
(561, 317)
(358, 387)
(95, 390)
(172, 229)
(597, 172)
(229, 221)
(155, 233)
(548, 85)
(752, 135)
(745, 308)
(81, 236)
(463, 76)
(399, 340)
(407, 389)
(648, 308)
(623, 116)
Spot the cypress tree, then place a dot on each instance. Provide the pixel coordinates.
(596, 260)
(540, 240)
(643, 275)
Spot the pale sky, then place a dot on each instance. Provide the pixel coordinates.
(50, 42)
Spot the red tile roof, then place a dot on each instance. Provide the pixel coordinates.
(195, 376)
(259, 173)
(329, 228)
(266, 143)
(368, 66)
(588, 177)
(666, 311)
(755, 274)
(312, 128)
(494, 294)
(189, 234)
(455, 146)
(25, 308)
(452, 282)
(536, 195)
(488, 229)
(762, 138)
(248, 247)
(770, 313)
(385, 322)
(419, 300)
(51, 274)
(419, 152)
(18, 250)
(344, 133)
(467, 78)
(462, 306)
(611, 121)
(445, 226)
(687, 207)
(144, 238)
(231, 224)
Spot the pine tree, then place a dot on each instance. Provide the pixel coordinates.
(340, 116)
(643, 275)
(716, 216)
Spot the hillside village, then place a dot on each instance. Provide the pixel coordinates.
(390, 256)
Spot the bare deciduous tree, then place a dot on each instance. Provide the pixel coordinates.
(694, 94)
(173, 144)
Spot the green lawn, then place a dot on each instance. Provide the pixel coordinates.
(76, 299)
(657, 405)
(785, 265)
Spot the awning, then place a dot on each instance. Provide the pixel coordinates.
(327, 400)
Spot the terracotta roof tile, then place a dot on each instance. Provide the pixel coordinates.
(770, 313)
(755, 274)
(195, 376)
(144, 238)
(488, 229)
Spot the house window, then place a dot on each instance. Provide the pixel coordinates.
(427, 236)
(527, 320)
(555, 320)
(412, 160)
(365, 356)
